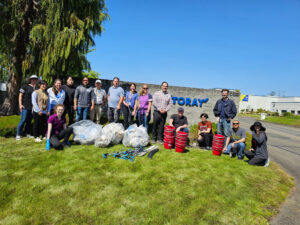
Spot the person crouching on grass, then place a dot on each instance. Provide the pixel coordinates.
(57, 129)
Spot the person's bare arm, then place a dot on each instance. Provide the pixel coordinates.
(20, 102)
(120, 101)
(171, 122)
(226, 145)
(49, 130)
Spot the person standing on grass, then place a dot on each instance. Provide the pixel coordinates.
(25, 106)
(258, 153)
(58, 130)
(179, 121)
(84, 100)
(162, 101)
(235, 143)
(144, 111)
(39, 100)
(129, 106)
(56, 95)
(205, 135)
(115, 98)
(225, 111)
(100, 99)
(69, 99)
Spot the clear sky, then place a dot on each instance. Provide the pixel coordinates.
(251, 45)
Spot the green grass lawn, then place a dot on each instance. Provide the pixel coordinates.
(286, 120)
(78, 186)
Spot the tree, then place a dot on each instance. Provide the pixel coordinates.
(48, 38)
(91, 74)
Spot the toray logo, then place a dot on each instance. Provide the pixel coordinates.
(188, 101)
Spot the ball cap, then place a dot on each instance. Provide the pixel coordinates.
(180, 109)
(33, 77)
(98, 81)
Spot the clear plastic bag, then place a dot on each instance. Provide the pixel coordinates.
(86, 131)
(135, 136)
(112, 133)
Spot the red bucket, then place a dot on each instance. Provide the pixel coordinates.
(179, 149)
(167, 145)
(216, 152)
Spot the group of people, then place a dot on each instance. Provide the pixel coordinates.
(48, 108)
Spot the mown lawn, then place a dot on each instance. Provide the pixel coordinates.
(78, 186)
(285, 120)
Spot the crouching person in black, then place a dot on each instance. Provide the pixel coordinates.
(57, 129)
(258, 154)
(205, 135)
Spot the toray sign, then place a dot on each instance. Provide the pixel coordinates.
(188, 101)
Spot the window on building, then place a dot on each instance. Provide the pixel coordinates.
(283, 111)
(293, 111)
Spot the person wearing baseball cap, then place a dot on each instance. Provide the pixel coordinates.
(179, 121)
(25, 106)
(99, 97)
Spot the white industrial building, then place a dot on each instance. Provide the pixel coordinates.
(270, 103)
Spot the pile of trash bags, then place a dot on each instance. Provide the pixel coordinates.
(135, 136)
(112, 133)
(86, 131)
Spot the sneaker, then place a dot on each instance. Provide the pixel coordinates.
(29, 136)
(18, 138)
(152, 141)
(267, 162)
(44, 138)
(207, 148)
(37, 139)
(230, 154)
(160, 142)
(240, 158)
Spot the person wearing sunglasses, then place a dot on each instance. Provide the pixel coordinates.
(145, 103)
(84, 100)
(235, 142)
(258, 153)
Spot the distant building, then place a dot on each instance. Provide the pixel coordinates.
(270, 103)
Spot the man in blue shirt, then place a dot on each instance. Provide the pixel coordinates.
(225, 111)
(115, 97)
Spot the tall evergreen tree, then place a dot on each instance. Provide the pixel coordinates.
(46, 37)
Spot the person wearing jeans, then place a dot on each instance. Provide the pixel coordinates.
(144, 111)
(235, 143)
(162, 101)
(58, 130)
(225, 111)
(83, 100)
(39, 102)
(129, 106)
(115, 97)
(25, 106)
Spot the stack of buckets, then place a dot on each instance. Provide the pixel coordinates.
(180, 142)
(218, 144)
(169, 135)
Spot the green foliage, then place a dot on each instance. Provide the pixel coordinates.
(78, 186)
(8, 126)
(287, 114)
(91, 74)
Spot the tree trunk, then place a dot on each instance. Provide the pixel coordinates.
(10, 105)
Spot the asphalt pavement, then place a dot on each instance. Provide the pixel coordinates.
(284, 149)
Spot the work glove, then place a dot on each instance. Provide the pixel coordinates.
(48, 145)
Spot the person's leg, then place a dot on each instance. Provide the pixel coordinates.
(201, 141)
(186, 130)
(65, 134)
(226, 125)
(92, 113)
(257, 161)
(205, 139)
(54, 141)
(155, 125)
(228, 149)
(210, 139)
(116, 115)
(161, 125)
(249, 154)
(36, 125)
(85, 113)
(219, 127)
(71, 115)
(28, 122)
(125, 112)
(78, 114)
(22, 122)
(146, 122)
(98, 114)
(110, 114)
(240, 150)
(130, 117)
(43, 125)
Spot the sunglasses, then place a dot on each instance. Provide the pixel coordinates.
(85, 80)
(145, 88)
(235, 123)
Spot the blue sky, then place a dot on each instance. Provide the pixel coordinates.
(251, 45)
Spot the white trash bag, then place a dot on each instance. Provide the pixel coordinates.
(135, 136)
(86, 131)
(111, 133)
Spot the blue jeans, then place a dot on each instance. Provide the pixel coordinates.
(223, 127)
(238, 148)
(82, 113)
(26, 117)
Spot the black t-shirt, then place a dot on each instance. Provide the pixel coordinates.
(178, 121)
(70, 91)
(27, 90)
